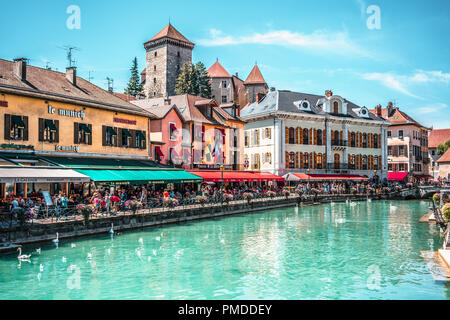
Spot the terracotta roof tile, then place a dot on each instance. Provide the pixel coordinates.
(437, 137)
(255, 76)
(445, 157)
(53, 85)
(217, 71)
(124, 96)
(169, 31)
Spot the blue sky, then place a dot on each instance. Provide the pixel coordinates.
(306, 46)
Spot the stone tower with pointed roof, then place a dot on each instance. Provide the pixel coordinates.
(166, 53)
(254, 85)
(221, 84)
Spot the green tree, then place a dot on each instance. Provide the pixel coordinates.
(204, 81)
(194, 80)
(134, 85)
(443, 147)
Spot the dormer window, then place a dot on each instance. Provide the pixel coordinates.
(335, 107)
(364, 113)
(303, 105)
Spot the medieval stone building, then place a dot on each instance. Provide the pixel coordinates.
(166, 53)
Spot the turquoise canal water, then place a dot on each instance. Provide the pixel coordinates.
(332, 251)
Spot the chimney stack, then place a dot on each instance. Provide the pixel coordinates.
(237, 75)
(390, 108)
(71, 75)
(378, 110)
(20, 68)
(328, 93)
(167, 100)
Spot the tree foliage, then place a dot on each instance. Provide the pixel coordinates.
(134, 85)
(443, 147)
(194, 80)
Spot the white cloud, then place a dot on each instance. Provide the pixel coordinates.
(423, 76)
(339, 42)
(433, 108)
(389, 80)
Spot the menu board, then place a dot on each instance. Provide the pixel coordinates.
(47, 198)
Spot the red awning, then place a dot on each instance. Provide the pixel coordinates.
(236, 176)
(158, 151)
(397, 176)
(320, 177)
(173, 127)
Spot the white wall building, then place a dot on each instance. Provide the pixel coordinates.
(291, 132)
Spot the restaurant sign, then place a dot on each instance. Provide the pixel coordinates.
(120, 120)
(16, 146)
(66, 148)
(67, 113)
(213, 166)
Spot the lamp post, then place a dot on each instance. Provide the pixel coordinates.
(222, 168)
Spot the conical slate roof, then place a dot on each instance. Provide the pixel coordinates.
(170, 32)
(255, 77)
(217, 71)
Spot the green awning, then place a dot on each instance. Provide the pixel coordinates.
(140, 176)
(126, 133)
(85, 128)
(18, 122)
(140, 135)
(111, 131)
(49, 124)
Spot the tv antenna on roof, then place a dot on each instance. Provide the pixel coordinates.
(69, 50)
(90, 77)
(110, 84)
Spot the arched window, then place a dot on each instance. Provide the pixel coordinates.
(319, 161)
(351, 162)
(291, 136)
(336, 107)
(364, 138)
(319, 137)
(291, 160)
(336, 138)
(305, 136)
(352, 140)
(306, 160)
(364, 163)
(337, 160)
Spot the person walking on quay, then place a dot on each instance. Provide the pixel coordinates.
(64, 201)
(107, 199)
(123, 199)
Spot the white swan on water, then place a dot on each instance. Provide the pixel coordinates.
(141, 241)
(111, 231)
(89, 256)
(21, 256)
(38, 250)
(57, 238)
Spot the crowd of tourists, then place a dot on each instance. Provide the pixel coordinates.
(105, 202)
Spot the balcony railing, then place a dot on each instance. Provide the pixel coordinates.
(339, 143)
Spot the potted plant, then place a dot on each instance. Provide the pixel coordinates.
(133, 205)
(248, 196)
(86, 210)
(171, 203)
(202, 200)
(271, 194)
(437, 198)
(227, 197)
(446, 212)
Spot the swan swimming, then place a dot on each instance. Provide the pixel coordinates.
(64, 259)
(89, 256)
(73, 245)
(57, 238)
(158, 238)
(111, 231)
(38, 250)
(23, 257)
(141, 241)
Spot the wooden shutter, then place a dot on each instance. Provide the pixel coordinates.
(301, 161)
(90, 136)
(297, 160)
(75, 132)
(7, 127)
(324, 142)
(301, 135)
(310, 136)
(144, 144)
(25, 130)
(104, 128)
(296, 135)
(41, 129)
(56, 122)
(119, 137)
(133, 138)
(341, 135)
(286, 132)
(287, 160)
(379, 141)
(315, 137)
